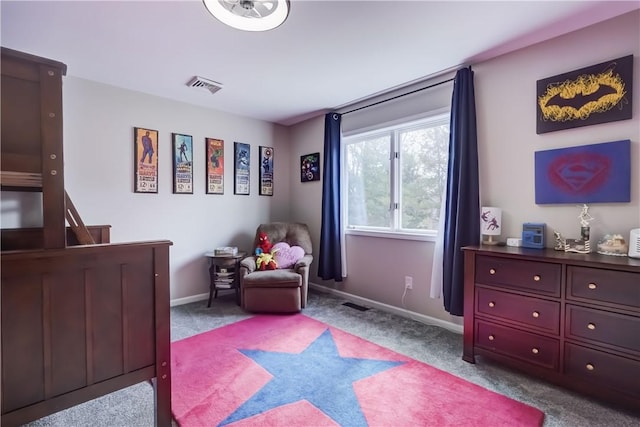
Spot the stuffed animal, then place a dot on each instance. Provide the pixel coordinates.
(266, 261)
(264, 254)
(264, 245)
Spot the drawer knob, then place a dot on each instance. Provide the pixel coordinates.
(492, 304)
(491, 338)
(591, 286)
(492, 271)
(535, 314)
(535, 350)
(536, 278)
(590, 367)
(591, 326)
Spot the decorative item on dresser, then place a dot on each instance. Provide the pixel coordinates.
(533, 235)
(490, 223)
(572, 319)
(634, 243)
(582, 245)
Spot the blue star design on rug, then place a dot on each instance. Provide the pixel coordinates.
(318, 375)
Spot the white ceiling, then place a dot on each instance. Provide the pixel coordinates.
(326, 55)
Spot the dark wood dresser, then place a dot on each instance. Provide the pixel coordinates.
(571, 319)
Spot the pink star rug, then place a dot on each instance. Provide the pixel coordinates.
(294, 371)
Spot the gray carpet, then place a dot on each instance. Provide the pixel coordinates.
(431, 344)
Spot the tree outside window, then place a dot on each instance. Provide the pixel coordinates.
(395, 177)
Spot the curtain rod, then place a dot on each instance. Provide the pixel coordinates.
(398, 96)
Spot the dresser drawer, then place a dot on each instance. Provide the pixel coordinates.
(531, 348)
(535, 312)
(532, 276)
(603, 327)
(618, 287)
(602, 368)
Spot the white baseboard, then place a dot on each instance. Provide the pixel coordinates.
(187, 300)
(459, 329)
(355, 299)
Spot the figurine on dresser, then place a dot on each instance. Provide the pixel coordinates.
(560, 241)
(582, 245)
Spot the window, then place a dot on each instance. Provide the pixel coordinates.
(394, 177)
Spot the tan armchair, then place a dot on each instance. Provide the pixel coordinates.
(281, 290)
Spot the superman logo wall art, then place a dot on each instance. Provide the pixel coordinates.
(588, 96)
(596, 173)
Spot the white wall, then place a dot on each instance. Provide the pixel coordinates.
(507, 139)
(98, 150)
(98, 133)
(505, 102)
(306, 197)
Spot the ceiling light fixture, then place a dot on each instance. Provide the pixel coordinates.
(249, 15)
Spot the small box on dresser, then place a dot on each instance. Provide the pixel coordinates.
(572, 319)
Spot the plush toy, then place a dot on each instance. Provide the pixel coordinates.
(265, 254)
(264, 245)
(266, 261)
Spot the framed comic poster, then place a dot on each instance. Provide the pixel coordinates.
(241, 172)
(182, 163)
(266, 171)
(310, 167)
(215, 166)
(145, 160)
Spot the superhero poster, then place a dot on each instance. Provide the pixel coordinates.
(215, 166)
(597, 94)
(145, 160)
(310, 167)
(182, 164)
(595, 173)
(241, 171)
(266, 171)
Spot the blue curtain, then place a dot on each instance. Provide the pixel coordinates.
(462, 213)
(330, 262)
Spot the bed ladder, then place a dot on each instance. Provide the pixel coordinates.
(75, 222)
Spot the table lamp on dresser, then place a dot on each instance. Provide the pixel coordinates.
(490, 223)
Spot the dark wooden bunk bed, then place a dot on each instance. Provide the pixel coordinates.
(81, 317)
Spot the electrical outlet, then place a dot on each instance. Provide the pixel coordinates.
(408, 282)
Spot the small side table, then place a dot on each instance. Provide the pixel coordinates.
(224, 274)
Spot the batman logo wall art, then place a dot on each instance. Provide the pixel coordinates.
(597, 94)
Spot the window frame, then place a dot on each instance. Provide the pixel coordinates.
(393, 127)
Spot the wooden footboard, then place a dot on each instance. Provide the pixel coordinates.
(33, 238)
(81, 322)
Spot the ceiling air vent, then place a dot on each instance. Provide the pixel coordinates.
(203, 83)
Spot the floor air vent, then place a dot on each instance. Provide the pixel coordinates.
(356, 306)
(201, 82)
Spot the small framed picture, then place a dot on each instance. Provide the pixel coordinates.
(215, 166)
(182, 163)
(241, 171)
(145, 160)
(310, 167)
(266, 171)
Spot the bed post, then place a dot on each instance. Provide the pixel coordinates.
(162, 383)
